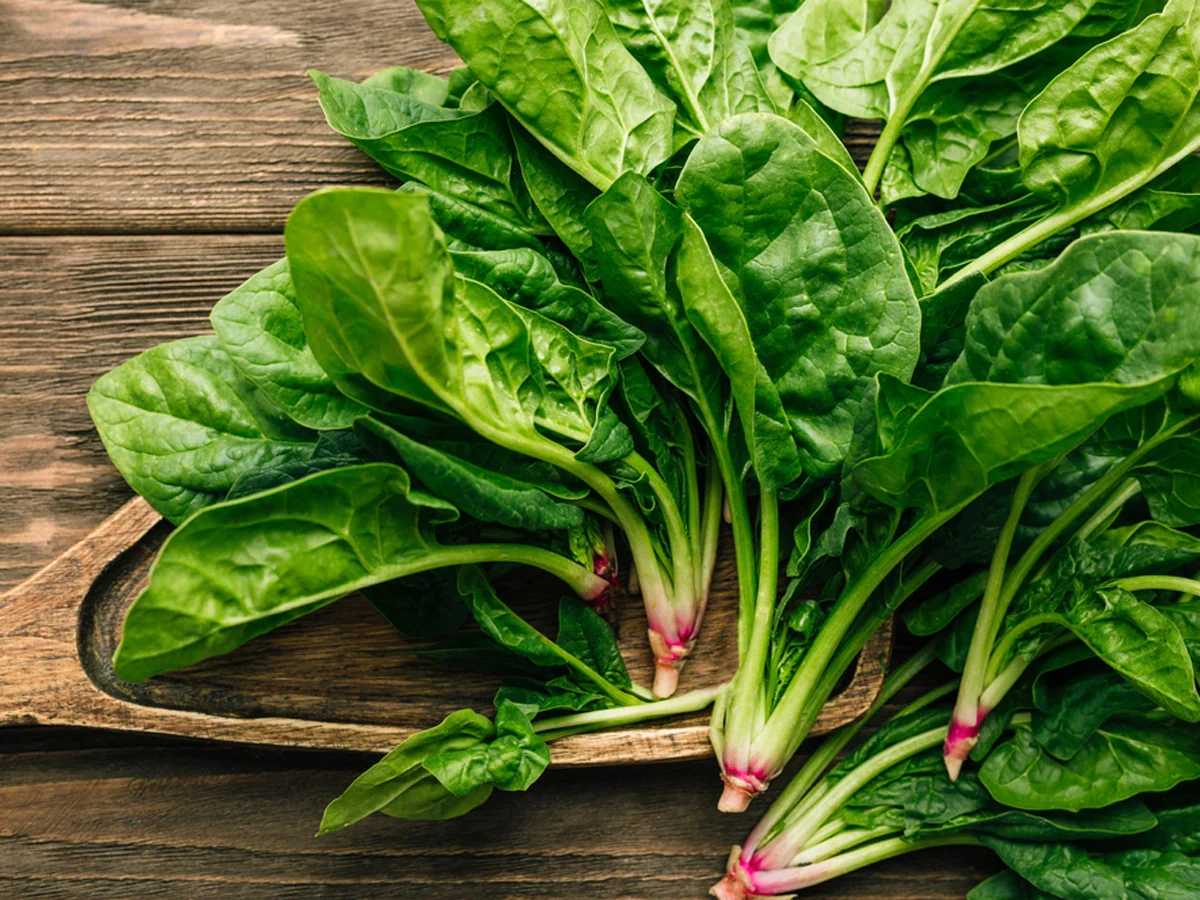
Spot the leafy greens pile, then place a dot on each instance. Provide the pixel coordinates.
(633, 284)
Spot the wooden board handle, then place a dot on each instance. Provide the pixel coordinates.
(42, 680)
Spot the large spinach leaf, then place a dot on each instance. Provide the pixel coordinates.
(260, 327)
(182, 424)
(816, 274)
(560, 69)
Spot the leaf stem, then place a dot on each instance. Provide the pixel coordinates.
(578, 723)
(1159, 583)
(745, 691)
(966, 709)
(780, 730)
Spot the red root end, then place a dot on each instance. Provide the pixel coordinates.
(960, 740)
(736, 884)
(668, 660)
(740, 789)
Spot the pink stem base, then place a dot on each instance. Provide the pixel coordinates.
(669, 657)
(740, 789)
(960, 740)
(737, 883)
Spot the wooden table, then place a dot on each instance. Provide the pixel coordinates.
(149, 153)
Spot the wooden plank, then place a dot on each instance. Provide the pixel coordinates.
(190, 116)
(71, 309)
(112, 820)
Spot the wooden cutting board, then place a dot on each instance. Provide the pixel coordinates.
(339, 678)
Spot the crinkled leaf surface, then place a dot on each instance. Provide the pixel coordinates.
(182, 425)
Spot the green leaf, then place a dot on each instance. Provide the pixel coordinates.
(1045, 327)
(464, 154)
(873, 60)
(480, 493)
(1131, 108)
(508, 629)
(182, 425)
(582, 633)
(260, 327)
(1125, 757)
(817, 277)
(1074, 708)
(969, 436)
(562, 72)
(1068, 871)
(637, 235)
(528, 279)
(1007, 886)
(240, 569)
(400, 785)
(512, 761)
(420, 606)
(561, 196)
(1140, 643)
(934, 613)
(691, 51)
(376, 287)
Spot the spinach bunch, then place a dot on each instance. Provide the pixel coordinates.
(1047, 372)
(1071, 798)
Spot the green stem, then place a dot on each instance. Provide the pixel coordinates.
(966, 709)
(829, 749)
(746, 689)
(677, 533)
(1103, 487)
(1063, 218)
(840, 843)
(882, 151)
(1004, 648)
(1160, 583)
(744, 550)
(785, 847)
(781, 881)
(1126, 492)
(592, 505)
(586, 583)
(710, 531)
(779, 731)
(578, 723)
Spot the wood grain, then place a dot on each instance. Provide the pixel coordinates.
(189, 115)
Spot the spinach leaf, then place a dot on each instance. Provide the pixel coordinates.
(528, 279)
(465, 154)
(1073, 709)
(692, 53)
(586, 636)
(377, 288)
(420, 606)
(1140, 643)
(1125, 757)
(239, 569)
(1044, 326)
(1070, 872)
(1007, 885)
(399, 784)
(182, 425)
(260, 327)
(969, 436)
(875, 60)
(816, 275)
(580, 649)
(512, 761)
(480, 493)
(560, 69)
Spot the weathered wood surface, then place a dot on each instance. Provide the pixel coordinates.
(164, 132)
